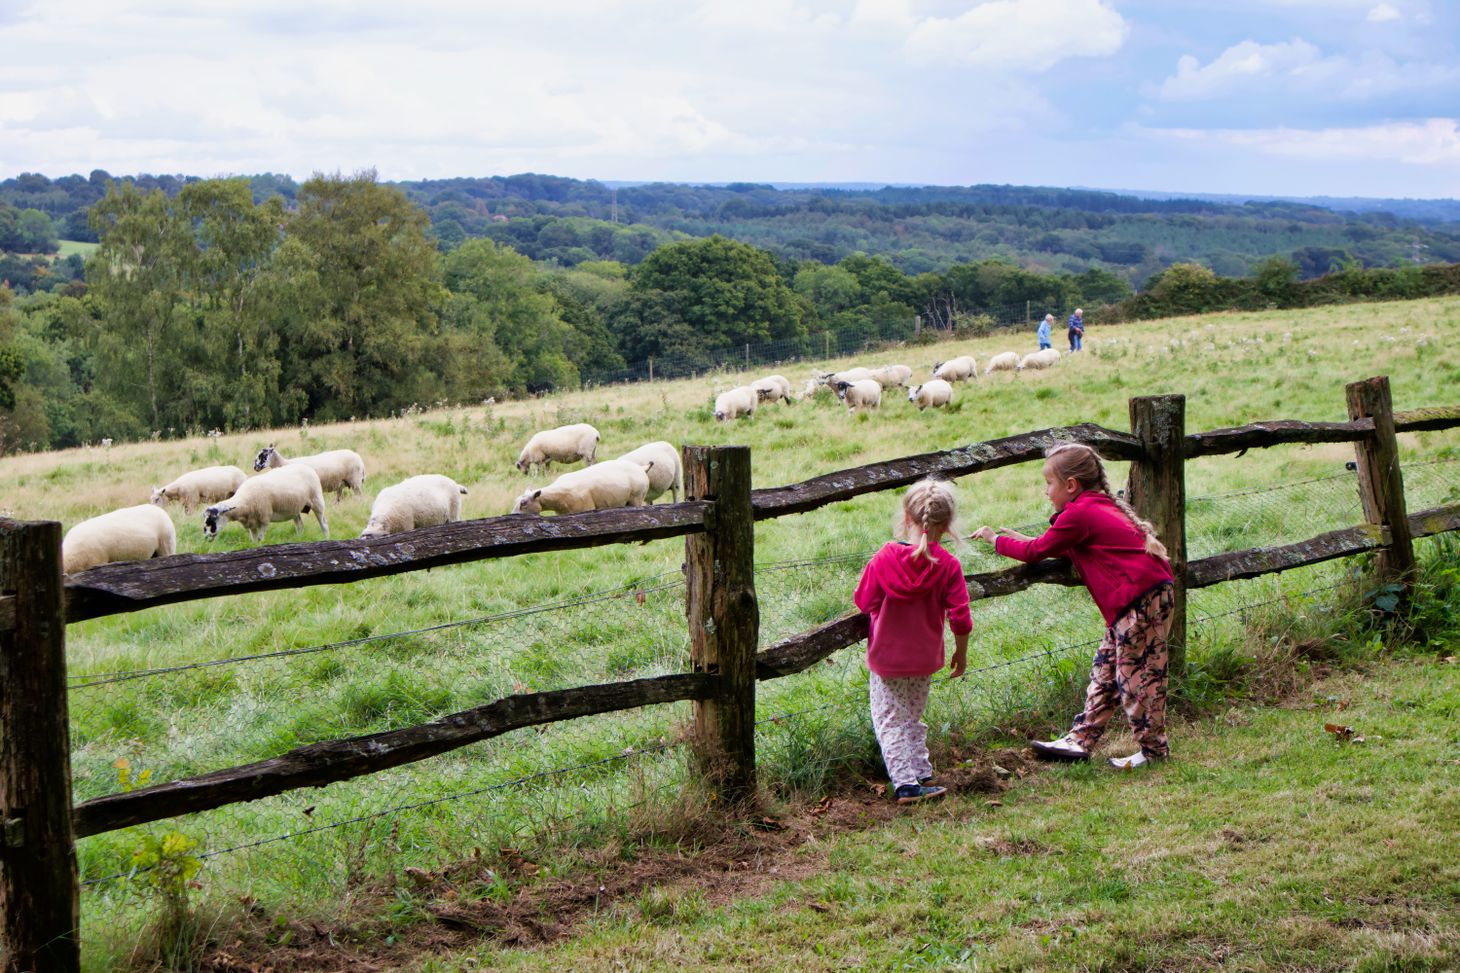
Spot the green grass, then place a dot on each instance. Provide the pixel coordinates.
(69, 247)
(1264, 845)
(192, 722)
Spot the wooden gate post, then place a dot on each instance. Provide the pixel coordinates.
(724, 616)
(1158, 493)
(1381, 485)
(39, 907)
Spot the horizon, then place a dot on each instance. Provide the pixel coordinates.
(1262, 98)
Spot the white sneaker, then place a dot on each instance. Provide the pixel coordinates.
(1137, 759)
(1065, 748)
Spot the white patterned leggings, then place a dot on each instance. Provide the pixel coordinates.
(897, 717)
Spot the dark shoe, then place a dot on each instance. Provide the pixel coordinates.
(925, 781)
(1065, 748)
(912, 793)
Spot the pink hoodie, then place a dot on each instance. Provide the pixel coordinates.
(908, 597)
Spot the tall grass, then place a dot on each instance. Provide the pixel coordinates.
(597, 772)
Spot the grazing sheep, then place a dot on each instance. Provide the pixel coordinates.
(932, 393)
(739, 401)
(889, 376)
(661, 461)
(420, 501)
(1004, 361)
(857, 374)
(130, 534)
(865, 394)
(1040, 359)
(565, 444)
(956, 369)
(337, 469)
(612, 483)
(286, 493)
(772, 388)
(200, 486)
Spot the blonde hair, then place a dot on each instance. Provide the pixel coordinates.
(928, 506)
(1083, 464)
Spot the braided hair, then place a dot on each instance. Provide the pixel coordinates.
(928, 506)
(1083, 464)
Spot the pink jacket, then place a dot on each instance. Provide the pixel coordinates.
(1108, 551)
(908, 598)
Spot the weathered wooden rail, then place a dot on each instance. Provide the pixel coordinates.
(38, 890)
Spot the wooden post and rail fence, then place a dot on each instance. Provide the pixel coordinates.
(38, 874)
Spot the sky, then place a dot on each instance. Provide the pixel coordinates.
(1275, 97)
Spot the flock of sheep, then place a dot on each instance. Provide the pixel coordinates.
(288, 489)
(862, 388)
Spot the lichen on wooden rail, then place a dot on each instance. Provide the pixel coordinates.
(1257, 561)
(1435, 520)
(843, 485)
(1427, 419)
(134, 585)
(319, 764)
(1261, 435)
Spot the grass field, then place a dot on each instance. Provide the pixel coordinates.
(1232, 368)
(69, 247)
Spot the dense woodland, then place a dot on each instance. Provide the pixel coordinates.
(243, 303)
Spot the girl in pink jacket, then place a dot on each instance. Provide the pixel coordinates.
(1124, 565)
(909, 588)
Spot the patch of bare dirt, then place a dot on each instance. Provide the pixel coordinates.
(514, 901)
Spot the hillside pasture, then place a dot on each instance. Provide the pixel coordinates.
(622, 606)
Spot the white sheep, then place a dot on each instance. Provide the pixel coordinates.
(337, 469)
(661, 462)
(1044, 358)
(612, 483)
(420, 501)
(956, 369)
(200, 486)
(889, 376)
(931, 393)
(739, 401)
(130, 534)
(285, 493)
(858, 374)
(565, 444)
(772, 388)
(1004, 361)
(865, 394)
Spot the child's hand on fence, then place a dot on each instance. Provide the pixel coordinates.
(984, 533)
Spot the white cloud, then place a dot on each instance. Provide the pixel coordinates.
(1431, 142)
(1383, 12)
(1296, 67)
(1029, 35)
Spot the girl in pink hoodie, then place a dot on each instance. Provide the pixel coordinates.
(909, 588)
(1124, 565)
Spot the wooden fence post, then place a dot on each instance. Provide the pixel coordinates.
(724, 616)
(1381, 485)
(1158, 493)
(39, 907)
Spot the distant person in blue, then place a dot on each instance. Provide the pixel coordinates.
(1044, 331)
(1077, 329)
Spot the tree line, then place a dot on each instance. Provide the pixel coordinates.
(212, 305)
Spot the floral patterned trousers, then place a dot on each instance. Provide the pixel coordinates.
(1130, 668)
(897, 717)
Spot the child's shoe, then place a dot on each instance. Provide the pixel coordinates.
(912, 793)
(1065, 748)
(1137, 759)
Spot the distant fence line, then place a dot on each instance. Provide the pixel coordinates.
(39, 902)
(828, 344)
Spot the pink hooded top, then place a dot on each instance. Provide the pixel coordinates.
(1108, 551)
(908, 597)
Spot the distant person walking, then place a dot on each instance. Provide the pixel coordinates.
(1077, 329)
(1045, 328)
(911, 587)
